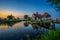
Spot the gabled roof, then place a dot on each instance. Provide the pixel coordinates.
(36, 14)
(46, 15)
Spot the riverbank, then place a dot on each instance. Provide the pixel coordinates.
(9, 21)
(51, 35)
(44, 21)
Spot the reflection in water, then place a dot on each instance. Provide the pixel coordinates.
(46, 25)
(26, 24)
(38, 30)
(8, 24)
(22, 30)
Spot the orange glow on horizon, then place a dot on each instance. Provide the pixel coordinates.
(4, 14)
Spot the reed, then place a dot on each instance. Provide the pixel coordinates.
(51, 35)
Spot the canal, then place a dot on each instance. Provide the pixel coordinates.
(20, 31)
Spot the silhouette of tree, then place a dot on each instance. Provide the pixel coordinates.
(29, 18)
(10, 17)
(26, 17)
(18, 18)
(0, 19)
(56, 3)
(5, 19)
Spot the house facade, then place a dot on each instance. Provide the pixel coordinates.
(37, 16)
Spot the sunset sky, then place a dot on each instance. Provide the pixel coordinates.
(19, 8)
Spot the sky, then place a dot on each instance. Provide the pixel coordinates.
(19, 8)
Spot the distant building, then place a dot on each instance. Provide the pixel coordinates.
(46, 15)
(36, 15)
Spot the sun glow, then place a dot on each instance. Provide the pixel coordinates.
(4, 14)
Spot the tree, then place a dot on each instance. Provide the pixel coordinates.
(56, 3)
(10, 17)
(26, 17)
(0, 19)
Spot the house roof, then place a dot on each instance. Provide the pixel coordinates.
(36, 14)
(46, 15)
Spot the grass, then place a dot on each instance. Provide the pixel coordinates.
(45, 21)
(51, 35)
(9, 21)
(36, 22)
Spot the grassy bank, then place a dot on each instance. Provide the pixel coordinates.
(44, 21)
(9, 21)
(51, 35)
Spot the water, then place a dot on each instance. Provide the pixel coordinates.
(21, 30)
(57, 26)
